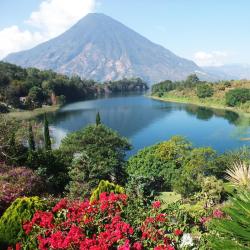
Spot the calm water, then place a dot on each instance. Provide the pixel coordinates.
(145, 122)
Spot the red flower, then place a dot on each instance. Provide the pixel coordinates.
(156, 204)
(60, 205)
(18, 246)
(178, 232)
(217, 213)
(137, 246)
(100, 225)
(203, 220)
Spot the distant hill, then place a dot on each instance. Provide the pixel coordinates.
(230, 71)
(101, 48)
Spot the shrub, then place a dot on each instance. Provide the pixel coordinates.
(20, 211)
(236, 97)
(108, 187)
(161, 162)
(17, 182)
(232, 231)
(239, 175)
(52, 167)
(83, 174)
(100, 225)
(204, 91)
(4, 108)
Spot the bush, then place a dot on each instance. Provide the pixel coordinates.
(20, 211)
(100, 225)
(3, 108)
(52, 167)
(17, 182)
(232, 231)
(105, 148)
(204, 91)
(161, 162)
(108, 187)
(236, 97)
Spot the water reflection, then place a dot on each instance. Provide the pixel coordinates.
(145, 121)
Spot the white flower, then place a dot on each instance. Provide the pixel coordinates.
(186, 240)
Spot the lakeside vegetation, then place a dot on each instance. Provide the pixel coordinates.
(29, 89)
(87, 195)
(231, 95)
(170, 195)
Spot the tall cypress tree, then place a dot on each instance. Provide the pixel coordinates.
(98, 119)
(47, 140)
(32, 145)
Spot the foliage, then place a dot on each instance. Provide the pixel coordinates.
(47, 140)
(98, 119)
(163, 87)
(11, 150)
(3, 108)
(83, 175)
(17, 182)
(239, 175)
(238, 96)
(104, 147)
(174, 164)
(20, 211)
(204, 90)
(108, 187)
(199, 163)
(52, 167)
(169, 198)
(99, 225)
(233, 231)
(31, 140)
(31, 88)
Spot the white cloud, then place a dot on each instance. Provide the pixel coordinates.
(52, 18)
(214, 58)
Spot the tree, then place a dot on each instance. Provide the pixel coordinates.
(104, 147)
(192, 80)
(32, 145)
(36, 95)
(98, 119)
(161, 162)
(204, 90)
(52, 167)
(11, 151)
(84, 176)
(236, 97)
(47, 140)
(199, 163)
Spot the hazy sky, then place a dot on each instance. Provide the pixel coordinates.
(210, 32)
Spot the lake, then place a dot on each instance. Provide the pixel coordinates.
(145, 122)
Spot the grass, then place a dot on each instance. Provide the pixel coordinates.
(168, 198)
(29, 114)
(212, 102)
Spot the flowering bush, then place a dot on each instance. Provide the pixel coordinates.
(17, 182)
(21, 210)
(98, 225)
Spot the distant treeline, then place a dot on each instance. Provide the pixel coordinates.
(31, 88)
(234, 93)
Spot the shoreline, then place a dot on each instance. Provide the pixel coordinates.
(212, 106)
(30, 114)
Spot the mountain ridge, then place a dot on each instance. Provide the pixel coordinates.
(99, 47)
